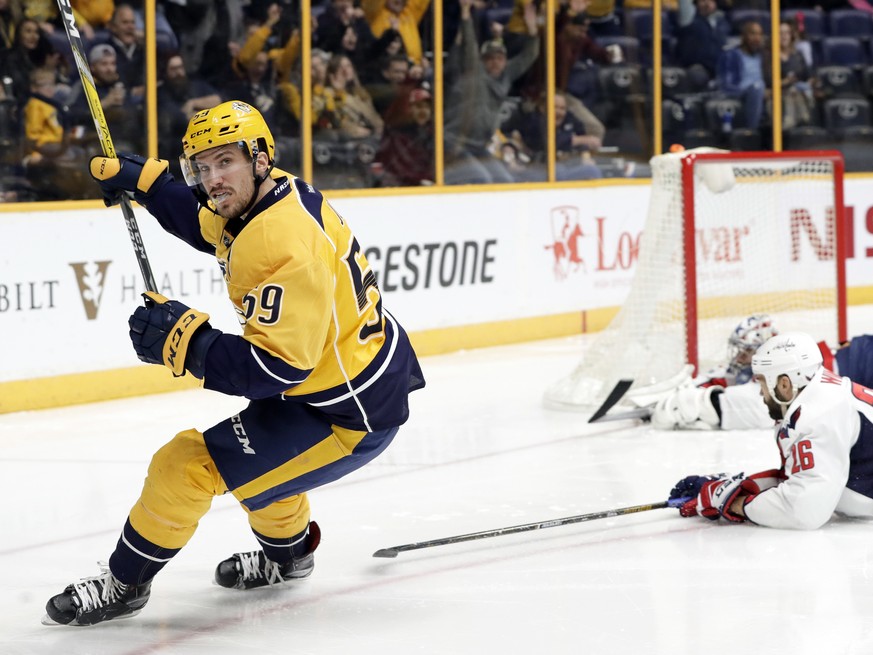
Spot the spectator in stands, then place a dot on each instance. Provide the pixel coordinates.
(43, 117)
(45, 13)
(220, 68)
(194, 22)
(574, 148)
(401, 15)
(325, 120)
(515, 30)
(334, 22)
(257, 87)
(389, 44)
(10, 15)
(30, 50)
(702, 35)
(406, 152)
(801, 42)
(282, 59)
(394, 83)
(53, 162)
(123, 111)
(741, 73)
(478, 83)
(574, 43)
(129, 50)
(289, 101)
(179, 98)
(797, 100)
(358, 52)
(358, 118)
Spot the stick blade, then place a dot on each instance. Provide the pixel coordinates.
(614, 396)
(387, 553)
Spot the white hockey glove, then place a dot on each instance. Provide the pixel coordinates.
(651, 395)
(688, 408)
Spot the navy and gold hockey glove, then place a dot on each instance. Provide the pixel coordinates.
(129, 173)
(168, 332)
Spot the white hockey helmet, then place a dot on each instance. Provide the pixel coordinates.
(795, 354)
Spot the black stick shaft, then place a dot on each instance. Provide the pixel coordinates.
(527, 527)
(105, 138)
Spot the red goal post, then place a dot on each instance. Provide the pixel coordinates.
(693, 162)
(727, 234)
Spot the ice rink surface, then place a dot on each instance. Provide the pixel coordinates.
(479, 452)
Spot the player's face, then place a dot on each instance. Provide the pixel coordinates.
(774, 409)
(226, 175)
(744, 358)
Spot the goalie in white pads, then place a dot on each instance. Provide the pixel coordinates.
(825, 439)
(721, 398)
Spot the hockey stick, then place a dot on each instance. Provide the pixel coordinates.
(527, 527)
(105, 138)
(617, 393)
(642, 413)
(645, 398)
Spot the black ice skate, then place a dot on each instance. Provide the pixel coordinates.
(97, 599)
(250, 570)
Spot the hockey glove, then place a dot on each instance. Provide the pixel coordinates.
(689, 487)
(689, 408)
(716, 496)
(167, 332)
(140, 176)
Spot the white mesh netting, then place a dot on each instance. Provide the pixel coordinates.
(764, 242)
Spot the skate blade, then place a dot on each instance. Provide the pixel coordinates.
(47, 620)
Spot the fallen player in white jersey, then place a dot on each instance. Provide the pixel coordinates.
(825, 438)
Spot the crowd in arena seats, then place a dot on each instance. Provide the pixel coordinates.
(372, 83)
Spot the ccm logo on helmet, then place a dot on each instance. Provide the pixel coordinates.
(201, 132)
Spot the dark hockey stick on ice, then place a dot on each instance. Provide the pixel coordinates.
(105, 138)
(642, 413)
(617, 393)
(527, 527)
(644, 397)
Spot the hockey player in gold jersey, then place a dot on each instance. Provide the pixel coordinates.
(326, 368)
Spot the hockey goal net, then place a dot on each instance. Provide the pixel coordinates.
(726, 235)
